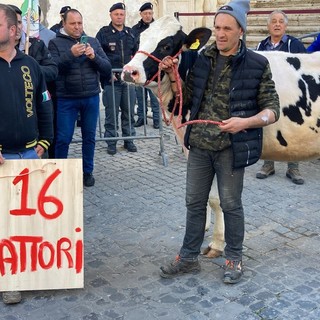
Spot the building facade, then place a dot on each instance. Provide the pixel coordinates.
(96, 12)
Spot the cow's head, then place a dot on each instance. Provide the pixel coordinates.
(163, 38)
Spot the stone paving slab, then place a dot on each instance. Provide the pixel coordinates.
(134, 219)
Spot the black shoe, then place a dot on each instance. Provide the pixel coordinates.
(130, 146)
(112, 149)
(156, 124)
(140, 122)
(233, 271)
(88, 180)
(178, 267)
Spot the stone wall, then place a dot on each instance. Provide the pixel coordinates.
(96, 12)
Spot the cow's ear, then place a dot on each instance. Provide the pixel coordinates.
(197, 38)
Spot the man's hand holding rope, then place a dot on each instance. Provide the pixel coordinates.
(168, 65)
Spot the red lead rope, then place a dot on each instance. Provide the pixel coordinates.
(178, 98)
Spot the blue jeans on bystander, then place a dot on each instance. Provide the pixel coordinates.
(27, 154)
(67, 113)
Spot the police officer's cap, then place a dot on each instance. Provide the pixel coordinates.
(118, 5)
(146, 6)
(64, 9)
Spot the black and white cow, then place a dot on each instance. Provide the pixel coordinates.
(294, 137)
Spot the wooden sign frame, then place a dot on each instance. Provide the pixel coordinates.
(41, 226)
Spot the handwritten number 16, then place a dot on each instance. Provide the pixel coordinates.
(42, 198)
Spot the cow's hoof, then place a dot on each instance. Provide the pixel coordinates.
(211, 253)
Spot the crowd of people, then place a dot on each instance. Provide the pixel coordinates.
(73, 67)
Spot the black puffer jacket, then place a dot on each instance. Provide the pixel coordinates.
(78, 76)
(247, 69)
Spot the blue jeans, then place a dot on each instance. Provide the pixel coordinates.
(27, 154)
(153, 102)
(124, 98)
(201, 169)
(67, 114)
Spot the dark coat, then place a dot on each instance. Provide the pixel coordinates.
(25, 108)
(247, 68)
(291, 44)
(78, 76)
(119, 46)
(42, 55)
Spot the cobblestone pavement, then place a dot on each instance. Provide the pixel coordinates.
(134, 221)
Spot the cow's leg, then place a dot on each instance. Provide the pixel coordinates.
(208, 219)
(216, 246)
(179, 134)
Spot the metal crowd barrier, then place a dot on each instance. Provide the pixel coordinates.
(145, 135)
(312, 35)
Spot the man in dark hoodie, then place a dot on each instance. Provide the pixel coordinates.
(278, 40)
(26, 126)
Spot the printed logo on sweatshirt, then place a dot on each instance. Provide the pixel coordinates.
(28, 90)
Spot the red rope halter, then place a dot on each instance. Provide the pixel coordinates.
(178, 97)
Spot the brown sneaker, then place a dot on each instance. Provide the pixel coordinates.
(295, 176)
(11, 297)
(179, 266)
(233, 271)
(265, 171)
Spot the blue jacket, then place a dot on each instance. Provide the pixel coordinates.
(78, 76)
(288, 44)
(315, 45)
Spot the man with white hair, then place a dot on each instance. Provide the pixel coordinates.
(278, 40)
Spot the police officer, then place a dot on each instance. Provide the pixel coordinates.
(119, 44)
(146, 13)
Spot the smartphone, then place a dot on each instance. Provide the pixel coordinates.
(84, 40)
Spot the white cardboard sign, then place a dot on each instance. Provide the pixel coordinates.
(41, 226)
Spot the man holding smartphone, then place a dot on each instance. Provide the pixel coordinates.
(80, 60)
